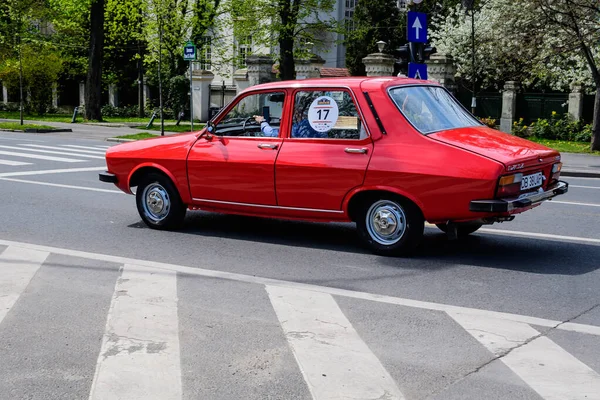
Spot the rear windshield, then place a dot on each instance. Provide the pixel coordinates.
(431, 108)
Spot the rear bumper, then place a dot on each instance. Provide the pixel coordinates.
(107, 177)
(512, 205)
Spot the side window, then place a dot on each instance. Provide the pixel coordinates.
(326, 115)
(256, 115)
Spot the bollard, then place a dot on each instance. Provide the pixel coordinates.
(74, 119)
(151, 120)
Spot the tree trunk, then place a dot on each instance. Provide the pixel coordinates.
(287, 66)
(93, 87)
(596, 124)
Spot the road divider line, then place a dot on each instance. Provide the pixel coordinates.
(96, 151)
(64, 153)
(546, 367)
(574, 203)
(503, 232)
(197, 271)
(140, 357)
(17, 268)
(13, 163)
(334, 360)
(51, 171)
(584, 187)
(60, 185)
(39, 157)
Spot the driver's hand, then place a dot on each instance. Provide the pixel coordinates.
(259, 118)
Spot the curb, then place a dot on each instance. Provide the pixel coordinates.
(119, 140)
(578, 173)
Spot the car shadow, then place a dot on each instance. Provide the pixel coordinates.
(435, 252)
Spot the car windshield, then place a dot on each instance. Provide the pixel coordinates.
(431, 108)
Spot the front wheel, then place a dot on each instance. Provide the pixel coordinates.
(390, 226)
(158, 202)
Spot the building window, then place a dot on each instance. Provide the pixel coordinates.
(349, 14)
(402, 6)
(205, 53)
(244, 49)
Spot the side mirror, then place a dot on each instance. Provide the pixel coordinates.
(211, 127)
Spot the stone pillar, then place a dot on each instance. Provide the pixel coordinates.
(113, 95)
(309, 67)
(81, 94)
(441, 69)
(201, 81)
(379, 64)
(576, 101)
(509, 106)
(54, 95)
(4, 94)
(240, 80)
(260, 69)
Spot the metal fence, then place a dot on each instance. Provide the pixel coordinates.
(531, 106)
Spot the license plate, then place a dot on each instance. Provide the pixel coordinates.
(531, 181)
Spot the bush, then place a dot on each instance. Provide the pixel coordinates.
(490, 122)
(558, 128)
(177, 100)
(124, 112)
(520, 129)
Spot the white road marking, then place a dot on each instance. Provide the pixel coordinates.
(584, 187)
(17, 267)
(51, 171)
(39, 157)
(103, 148)
(139, 358)
(551, 371)
(62, 185)
(196, 271)
(64, 153)
(13, 163)
(334, 360)
(504, 232)
(574, 203)
(96, 152)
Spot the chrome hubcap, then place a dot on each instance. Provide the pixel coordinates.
(386, 222)
(156, 202)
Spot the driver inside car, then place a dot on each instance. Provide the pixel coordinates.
(300, 129)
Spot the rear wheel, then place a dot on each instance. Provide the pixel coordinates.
(463, 229)
(158, 202)
(390, 226)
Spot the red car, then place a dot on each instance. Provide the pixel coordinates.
(386, 153)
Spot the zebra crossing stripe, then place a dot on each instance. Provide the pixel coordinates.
(87, 147)
(17, 267)
(39, 157)
(139, 358)
(13, 163)
(334, 360)
(546, 367)
(64, 153)
(75, 151)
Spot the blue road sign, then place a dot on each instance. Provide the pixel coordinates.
(417, 71)
(417, 27)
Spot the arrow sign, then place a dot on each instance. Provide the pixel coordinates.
(417, 71)
(417, 27)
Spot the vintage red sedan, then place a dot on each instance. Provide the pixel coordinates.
(386, 153)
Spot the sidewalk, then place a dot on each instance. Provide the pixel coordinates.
(580, 165)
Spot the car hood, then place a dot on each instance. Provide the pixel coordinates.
(499, 146)
(143, 147)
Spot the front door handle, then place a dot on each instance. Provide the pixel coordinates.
(355, 151)
(268, 146)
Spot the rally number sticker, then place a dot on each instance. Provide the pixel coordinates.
(323, 114)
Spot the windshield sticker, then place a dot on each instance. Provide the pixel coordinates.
(323, 114)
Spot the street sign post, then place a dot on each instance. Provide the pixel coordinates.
(417, 27)
(417, 71)
(189, 54)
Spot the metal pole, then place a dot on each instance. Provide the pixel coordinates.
(160, 99)
(191, 99)
(20, 75)
(473, 99)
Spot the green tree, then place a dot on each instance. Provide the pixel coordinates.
(373, 20)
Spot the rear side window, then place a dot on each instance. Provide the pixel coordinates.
(431, 108)
(329, 114)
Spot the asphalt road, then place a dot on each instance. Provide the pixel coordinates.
(236, 307)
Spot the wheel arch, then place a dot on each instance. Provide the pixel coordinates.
(354, 200)
(146, 168)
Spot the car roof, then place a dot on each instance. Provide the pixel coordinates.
(352, 82)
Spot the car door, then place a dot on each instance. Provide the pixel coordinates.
(237, 163)
(326, 153)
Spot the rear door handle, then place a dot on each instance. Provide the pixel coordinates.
(355, 151)
(268, 146)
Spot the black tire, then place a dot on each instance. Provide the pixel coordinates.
(155, 188)
(400, 241)
(463, 229)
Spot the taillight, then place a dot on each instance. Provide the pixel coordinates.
(509, 184)
(555, 172)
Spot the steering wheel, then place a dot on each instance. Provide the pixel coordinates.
(246, 121)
